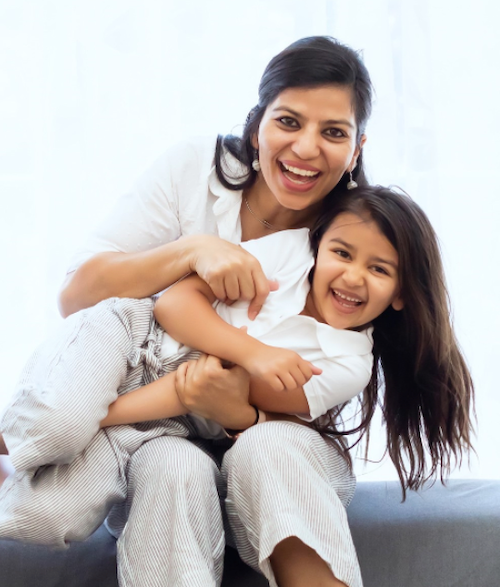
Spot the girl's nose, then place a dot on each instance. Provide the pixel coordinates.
(306, 144)
(353, 276)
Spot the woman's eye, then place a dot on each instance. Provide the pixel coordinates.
(335, 133)
(381, 270)
(342, 253)
(288, 121)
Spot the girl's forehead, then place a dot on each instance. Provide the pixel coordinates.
(347, 220)
(359, 231)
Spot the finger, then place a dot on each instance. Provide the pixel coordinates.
(180, 381)
(288, 381)
(315, 370)
(273, 285)
(262, 289)
(217, 286)
(232, 287)
(300, 376)
(212, 361)
(247, 286)
(276, 384)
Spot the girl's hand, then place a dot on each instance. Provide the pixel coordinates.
(231, 272)
(282, 369)
(205, 388)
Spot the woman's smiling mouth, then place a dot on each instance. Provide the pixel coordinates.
(298, 176)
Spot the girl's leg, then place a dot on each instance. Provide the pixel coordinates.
(173, 532)
(3, 447)
(284, 480)
(56, 504)
(295, 564)
(69, 382)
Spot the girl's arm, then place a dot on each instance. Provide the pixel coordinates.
(227, 395)
(231, 272)
(185, 311)
(154, 401)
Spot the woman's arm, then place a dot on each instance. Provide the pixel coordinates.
(154, 401)
(231, 272)
(185, 311)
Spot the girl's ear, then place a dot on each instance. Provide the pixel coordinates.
(397, 303)
(254, 142)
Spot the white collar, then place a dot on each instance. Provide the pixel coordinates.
(228, 204)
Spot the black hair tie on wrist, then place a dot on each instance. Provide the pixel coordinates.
(231, 433)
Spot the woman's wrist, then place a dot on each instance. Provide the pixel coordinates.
(191, 246)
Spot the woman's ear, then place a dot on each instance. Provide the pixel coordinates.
(397, 303)
(357, 151)
(254, 141)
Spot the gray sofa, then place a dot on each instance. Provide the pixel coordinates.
(441, 537)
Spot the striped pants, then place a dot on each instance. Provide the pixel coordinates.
(156, 483)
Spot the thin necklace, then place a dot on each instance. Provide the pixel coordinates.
(265, 223)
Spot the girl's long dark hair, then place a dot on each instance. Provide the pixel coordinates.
(425, 386)
(307, 63)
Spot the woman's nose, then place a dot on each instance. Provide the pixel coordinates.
(306, 144)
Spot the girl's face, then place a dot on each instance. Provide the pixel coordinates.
(306, 142)
(356, 274)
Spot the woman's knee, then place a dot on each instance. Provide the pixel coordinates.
(171, 462)
(272, 441)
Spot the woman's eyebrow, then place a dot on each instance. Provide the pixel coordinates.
(342, 121)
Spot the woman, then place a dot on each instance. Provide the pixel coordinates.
(286, 485)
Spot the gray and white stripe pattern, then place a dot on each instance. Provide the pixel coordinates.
(285, 479)
(163, 492)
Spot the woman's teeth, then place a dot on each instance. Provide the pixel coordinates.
(302, 175)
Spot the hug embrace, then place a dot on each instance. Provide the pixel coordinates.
(290, 289)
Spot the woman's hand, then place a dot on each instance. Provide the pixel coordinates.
(231, 272)
(205, 388)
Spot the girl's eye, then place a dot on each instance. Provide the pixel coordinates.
(381, 270)
(342, 253)
(288, 121)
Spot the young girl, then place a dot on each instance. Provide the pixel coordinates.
(377, 266)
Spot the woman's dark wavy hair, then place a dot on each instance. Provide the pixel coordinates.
(425, 386)
(307, 63)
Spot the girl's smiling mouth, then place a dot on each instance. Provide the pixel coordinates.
(347, 303)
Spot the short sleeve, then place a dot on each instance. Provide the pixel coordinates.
(342, 379)
(151, 213)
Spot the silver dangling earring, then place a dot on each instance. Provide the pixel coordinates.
(256, 162)
(351, 184)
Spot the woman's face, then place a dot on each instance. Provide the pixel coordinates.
(306, 142)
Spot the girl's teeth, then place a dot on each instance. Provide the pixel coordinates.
(347, 298)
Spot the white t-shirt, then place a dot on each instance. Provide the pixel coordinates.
(345, 356)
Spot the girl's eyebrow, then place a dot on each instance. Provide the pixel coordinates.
(375, 259)
(342, 121)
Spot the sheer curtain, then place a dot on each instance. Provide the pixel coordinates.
(92, 92)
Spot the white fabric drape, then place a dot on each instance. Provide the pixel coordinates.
(91, 92)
